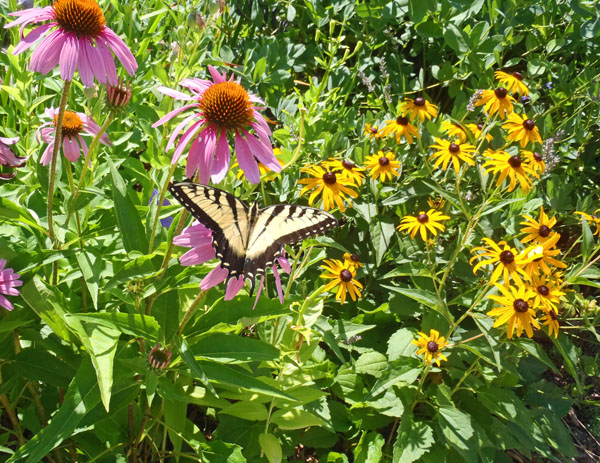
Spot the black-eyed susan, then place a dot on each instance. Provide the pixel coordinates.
(541, 257)
(450, 151)
(535, 160)
(341, 275)
(536, 230)
(422, 223)
(550, 319)
(516, 308)
(383, 165)
(454, 131)
(521, 129)
(372, 131)
(592, 220)
(514, 82)
(419, 107)
(400, 127)
(334, 187)
(263, 170)
(431, 346)
(547, 290)
(510, 261)
(346, 169)
(436, 203)
(477, 130)
(496, 101)
(353, 260)
(511, 167)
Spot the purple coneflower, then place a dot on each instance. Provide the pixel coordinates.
(220, 107)
(199, 238)
(159, 357)
(7, 157)
(76, 38)
(9, 280)
(74, 125)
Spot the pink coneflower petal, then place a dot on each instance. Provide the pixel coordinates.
(185, 139)
(260, 287)
(47, 156)
(82, 144)
(31, 38)
(69, 57)
(197, 86)
(284, 263)
(4, 302)
(120, 50)
(9, 281)
(214, 277)
(217, 78)
(221, 162)
(172, 114)
(110, 70)
(176, 133)
(234, 286)
(46, 55)
(278, 283)
(264, 153)
(84, 64)
(174, 94)
(71, 148)
(246, 159)
(201, 156)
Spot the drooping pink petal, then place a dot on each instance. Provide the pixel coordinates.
(47, 156)
(186, 138)
(31, 38)
(68, 56)
(217, 78)
(110, 71)
(92, 128)
(246, 159)
(214, 277)
(71, 148)
(278, 283)
(83, 145)
(172, 114)
(46, 55)
(45, 134)
(4, 302)
(264, 153)
(120, 50)
(175, 93)
(197, 86)
(86, 62)
(284, 263)
(183, 124)
(234, 286)
(260, 287)
(198, 158)
(9, 140)
(222, 156)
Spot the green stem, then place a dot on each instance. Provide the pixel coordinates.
(57, 143)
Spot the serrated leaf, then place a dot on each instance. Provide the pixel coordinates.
(413, 440)
(400, 344)
(371, 363)
(369, 448)
(458, 430)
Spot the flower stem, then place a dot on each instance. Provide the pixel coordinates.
(57, 143)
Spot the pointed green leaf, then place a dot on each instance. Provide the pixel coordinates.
(413, 440)
(271, 446)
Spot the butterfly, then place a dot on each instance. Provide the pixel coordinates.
(248, 239)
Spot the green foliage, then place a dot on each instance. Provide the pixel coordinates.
(311, 379)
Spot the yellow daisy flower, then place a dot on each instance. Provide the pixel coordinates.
(261, 167)
(342, 275)
(418, 107)
(352, 260)
(401, 128)
(383, 165)
(550, 319)
(510, 261)
(477, 130)
(334, 187)
(509, 166)
(449, 151)
(539, 231)
(516, 308)
(514, 82)
(347, 169)
(522, 130)
(372, 131)
(592, 220)
(547, 290)
(453, 130)
(496, 101)
(422, 223)
(535, 160)
(541, 256)
(431, 346)
(436, 203)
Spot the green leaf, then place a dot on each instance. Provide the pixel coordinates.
(372, 363)
(537, 351)
(188, 357)
(458, 430)
(427, 298)
(295, 418)
(10, 211)
(569, 353)
(456, 38)
(81, 397)
(175, 419)
(587, 244)
(101, 343)
(247, 410)
(271, 446)
(228, 348)
(413, 440)
(400, 344)
(141, 326)
(40, 365)
(369, 448)
(381, 235)
(128, 218)
(90, 266)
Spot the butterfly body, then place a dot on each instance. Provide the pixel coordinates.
(248, 239)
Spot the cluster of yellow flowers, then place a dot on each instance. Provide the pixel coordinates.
(531, 277)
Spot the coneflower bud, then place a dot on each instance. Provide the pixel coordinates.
(117, 96)
(159, 357)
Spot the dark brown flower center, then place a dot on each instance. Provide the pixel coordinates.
(423, 218)
(383, 161)
(346, 275)
(72, 124)
(538, 157)
(543, 290)
(346, 164)
(401, 120)
(553, 315)
(432, 346)
(520, 306)
(480, 126)
(544, 231)
(374, 130)
(329, 178)
(453, 148)
(507, 257)
(517, 75)
(500, 92)
(84, 17)
(514, 162)
(528, 124)
(227, 105)
(419, 101)
(355, 258)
